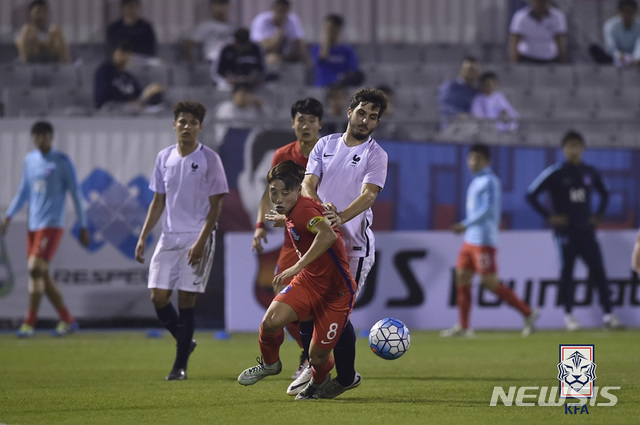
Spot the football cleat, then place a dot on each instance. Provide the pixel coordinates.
(177, 375)
(25, 331)
(65, 328)
(530, 322)
(303, 364)
(255, 373)
(334, 388)
(571, 323)
(300, 382)
(612, 322)
(310, 392)
(457, 330)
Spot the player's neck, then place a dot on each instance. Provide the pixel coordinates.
(186, 148)
(351, 141)
(305, 148)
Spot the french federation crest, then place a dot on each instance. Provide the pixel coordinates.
(577, 371)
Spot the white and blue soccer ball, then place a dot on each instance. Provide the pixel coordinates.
(389, 338)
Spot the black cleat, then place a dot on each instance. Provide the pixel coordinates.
(193, 346)
(177, 375)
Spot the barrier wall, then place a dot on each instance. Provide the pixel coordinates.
(413, 281)
(424, 192)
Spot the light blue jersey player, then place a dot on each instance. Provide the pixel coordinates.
(47, 177)
(478, 252)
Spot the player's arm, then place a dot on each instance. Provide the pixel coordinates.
(514, 39)
(309, 185)
(153, 215)
(324, 239)
(18, 201)
(539, 185)
(368, 195)
(485, 200)
(260, 233)
(74, 189)
(197, 250)
(603, 192)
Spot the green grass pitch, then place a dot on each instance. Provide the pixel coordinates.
(118, 378)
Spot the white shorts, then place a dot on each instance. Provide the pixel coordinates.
(169, 268)
(360, 268)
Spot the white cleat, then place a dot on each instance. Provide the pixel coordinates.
(530, 322)
(300, 382)
(571, 323)
(255, 373)
(457, 330)
(612, 322)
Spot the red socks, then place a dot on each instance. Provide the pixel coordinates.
(65, 316)
(31, 318)
(510, 297)
(270, 345)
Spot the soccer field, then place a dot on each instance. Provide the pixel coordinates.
(118, 378)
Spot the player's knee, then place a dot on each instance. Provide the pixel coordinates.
(37, 272)
(159, 300)
(270, 325)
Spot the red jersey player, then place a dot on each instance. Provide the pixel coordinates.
(321, 285)
(306, 121)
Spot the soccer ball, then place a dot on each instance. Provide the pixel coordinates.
(389, 338)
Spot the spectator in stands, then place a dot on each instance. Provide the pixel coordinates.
(38, 41)
(244, 110)
(116, 89)
(335, 103)
(538, 34)
(621, 37)
(491, 104)
(131, 27)
(456, 95)
(241, 61)
(335, 62)
(212, 34)
(279, 31)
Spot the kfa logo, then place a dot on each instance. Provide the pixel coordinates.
(115, 212)
(576, 370)
(355, 160)
(294, 234)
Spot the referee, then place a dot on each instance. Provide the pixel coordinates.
(569, 185)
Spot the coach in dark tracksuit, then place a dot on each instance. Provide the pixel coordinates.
(569, 186)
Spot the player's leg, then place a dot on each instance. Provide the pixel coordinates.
(270, 338)
(67, 323)
(294, 330)
(184, 332)
(465, 269)
(345, 350)
(36, 291)
(493, 283)
(567, 251)
(592, 256)
(58, 46)
(163, 273)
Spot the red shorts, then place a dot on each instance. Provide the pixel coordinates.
(287, 258)
(330, 315)
(477, 258)
(43, 243)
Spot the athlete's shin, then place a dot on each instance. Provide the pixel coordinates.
(270, 345)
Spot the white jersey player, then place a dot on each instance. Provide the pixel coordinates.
(189, 182)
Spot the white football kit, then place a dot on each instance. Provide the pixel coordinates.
(342, 171)
(187, 182)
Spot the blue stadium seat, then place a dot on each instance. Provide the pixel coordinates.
(56, 75)
(26, 102)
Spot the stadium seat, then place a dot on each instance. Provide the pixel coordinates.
(580, 105)
(29, 102)
(71, 101)
(292, 74)
(381, 73)
(400, 53)
(207, 95)
(531, 105)
(366, 52)
(619, 106)
(593, 76)
(512, 76)
(15, 75)
(450, 53)
(420, 74)
(56, 75)
(553, 76)
(200, 75)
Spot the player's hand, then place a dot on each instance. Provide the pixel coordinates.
(279, 220)
(282, 277)
(333, 218)
(458, 228)
(85, 237)
(194, 256)
(558, 220)
(140, 247)
(258, 236)
(328, 206)
(5, 225)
